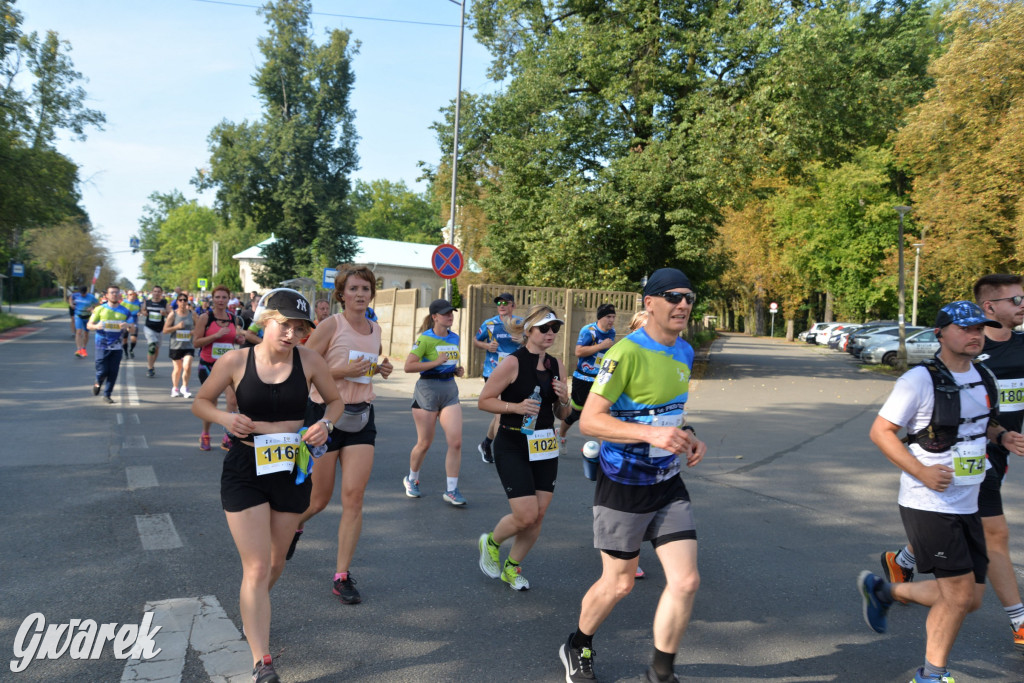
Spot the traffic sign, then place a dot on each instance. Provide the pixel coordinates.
(329, 275)
(202, 283)
(773, 307)
(17, 270)
(446, 261)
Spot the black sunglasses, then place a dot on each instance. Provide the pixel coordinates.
(549, 327)
(675, 297)
(1015, 299)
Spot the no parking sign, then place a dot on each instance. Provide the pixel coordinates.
(446, 261)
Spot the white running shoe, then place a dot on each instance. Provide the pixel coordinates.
(175, 393)
(185, 393)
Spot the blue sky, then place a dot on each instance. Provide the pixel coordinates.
(166, 71)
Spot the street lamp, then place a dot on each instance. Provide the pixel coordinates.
(901, 354)
(455, 144)
(917, 263)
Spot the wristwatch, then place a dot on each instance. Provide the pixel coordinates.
(328, 424)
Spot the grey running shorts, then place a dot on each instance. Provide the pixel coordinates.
(622, 533)
(435, 394)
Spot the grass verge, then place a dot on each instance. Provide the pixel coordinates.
(8, 321)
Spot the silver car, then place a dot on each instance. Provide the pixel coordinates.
(920, 347)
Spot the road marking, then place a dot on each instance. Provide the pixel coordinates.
(18, 333)
(142, 477)
(120, 418)
(133, 394)
(134, 441)
(199, 623)
(157, 532)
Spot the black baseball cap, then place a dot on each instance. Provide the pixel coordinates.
(504, 297)
(287, 302)
(440, 306)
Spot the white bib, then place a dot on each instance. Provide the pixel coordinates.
(1011, 395)
(183, 335)
(111, 325)
(665, 420)
(220, 348)
(354, 356)
(275, 452)
(542, 445)
(453, 355)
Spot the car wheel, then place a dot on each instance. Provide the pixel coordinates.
(889, 359)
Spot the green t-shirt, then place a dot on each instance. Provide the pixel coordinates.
(429, 346)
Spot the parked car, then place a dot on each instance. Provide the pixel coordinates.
(840, 335)
(882, 335)
(810, 334)
(920, 347)
(853, 343)
(821, 337)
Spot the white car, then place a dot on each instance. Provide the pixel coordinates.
(920, 347)
(821, 337)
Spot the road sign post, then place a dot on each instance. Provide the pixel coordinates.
(447, 262)
(773, 308)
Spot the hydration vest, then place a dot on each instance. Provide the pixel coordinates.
(942, 432)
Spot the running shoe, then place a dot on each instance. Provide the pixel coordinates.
(512, 574)
(895, 572)
(295, 542)
(639, 572)
(185, 393)
(346, 591)
(225, 443)
(175, 393)
(107, 399)
(204, 442)
(412, 488)
(875, 613)
(563, 450)
(1018, 639)
(652, 677)
(489, 560)
(150, 372)
(95, 389)
(578, 662)
(454, 497)
(485, 452)
(80, 353)
(919, 677)
(264, 672)
(131, 354)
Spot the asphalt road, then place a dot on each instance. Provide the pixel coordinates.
(792, 502)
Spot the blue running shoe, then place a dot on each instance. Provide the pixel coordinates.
(454, 497)
(874, 610)
(919, 677)
(412, 488)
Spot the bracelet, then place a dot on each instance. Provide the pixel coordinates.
(566, 404)
(999, 439)
(689, 429)
(506, 407)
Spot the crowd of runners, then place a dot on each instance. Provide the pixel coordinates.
(298, 383)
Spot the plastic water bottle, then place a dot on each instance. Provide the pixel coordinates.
(529, 420)
(591, 451)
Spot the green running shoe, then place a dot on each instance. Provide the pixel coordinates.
(513, 576)
(489, 563)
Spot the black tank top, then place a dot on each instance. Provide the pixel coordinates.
(528, 378)
(264, 402)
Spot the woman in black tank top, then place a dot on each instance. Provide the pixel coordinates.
(259, 493)
(527, 465)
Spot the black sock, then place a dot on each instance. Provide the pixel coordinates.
(132, 348)
(662, 663)
(581, 640)
(487, 442)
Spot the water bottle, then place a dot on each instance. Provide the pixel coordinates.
(591, 453)
(529, 420)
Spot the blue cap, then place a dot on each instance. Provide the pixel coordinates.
(963, 314)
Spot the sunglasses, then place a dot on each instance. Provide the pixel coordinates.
(502, 303)
(549, 327)
(1015, 299)
(675, 297)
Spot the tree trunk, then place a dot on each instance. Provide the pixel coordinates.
(828, 308)
(789, 329)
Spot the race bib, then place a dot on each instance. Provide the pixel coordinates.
(968, 464)
(275, 452)
(502, 356)
(183, 335)
(111, 325)
(453, 355)
(219, 349)
(354, 356)
(665, 420)
(1011, 395)
(542, 445)
(155, 316)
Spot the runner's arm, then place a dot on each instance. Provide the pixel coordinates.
(885, 435)
(204, 406)
(597, 421)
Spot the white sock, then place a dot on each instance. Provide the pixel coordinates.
(905, 559)
(414, 476)
(1016, 614)
(453, 483)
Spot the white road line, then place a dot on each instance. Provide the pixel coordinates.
(157, 532)
(120, 418)
(133, 394)
(142, 477)
(199, 623)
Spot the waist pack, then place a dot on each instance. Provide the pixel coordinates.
(355, 417)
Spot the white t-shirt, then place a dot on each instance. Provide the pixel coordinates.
(910, 406)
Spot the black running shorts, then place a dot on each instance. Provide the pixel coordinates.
(520, 477)
(241, 489)
(946, 545)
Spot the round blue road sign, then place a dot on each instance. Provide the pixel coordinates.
(446, 261)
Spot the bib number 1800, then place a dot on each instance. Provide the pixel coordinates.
(275, 453)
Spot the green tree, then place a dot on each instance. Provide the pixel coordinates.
(391, 211)
(288, 173)
(69, 250)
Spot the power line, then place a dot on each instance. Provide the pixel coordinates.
(330, 14)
